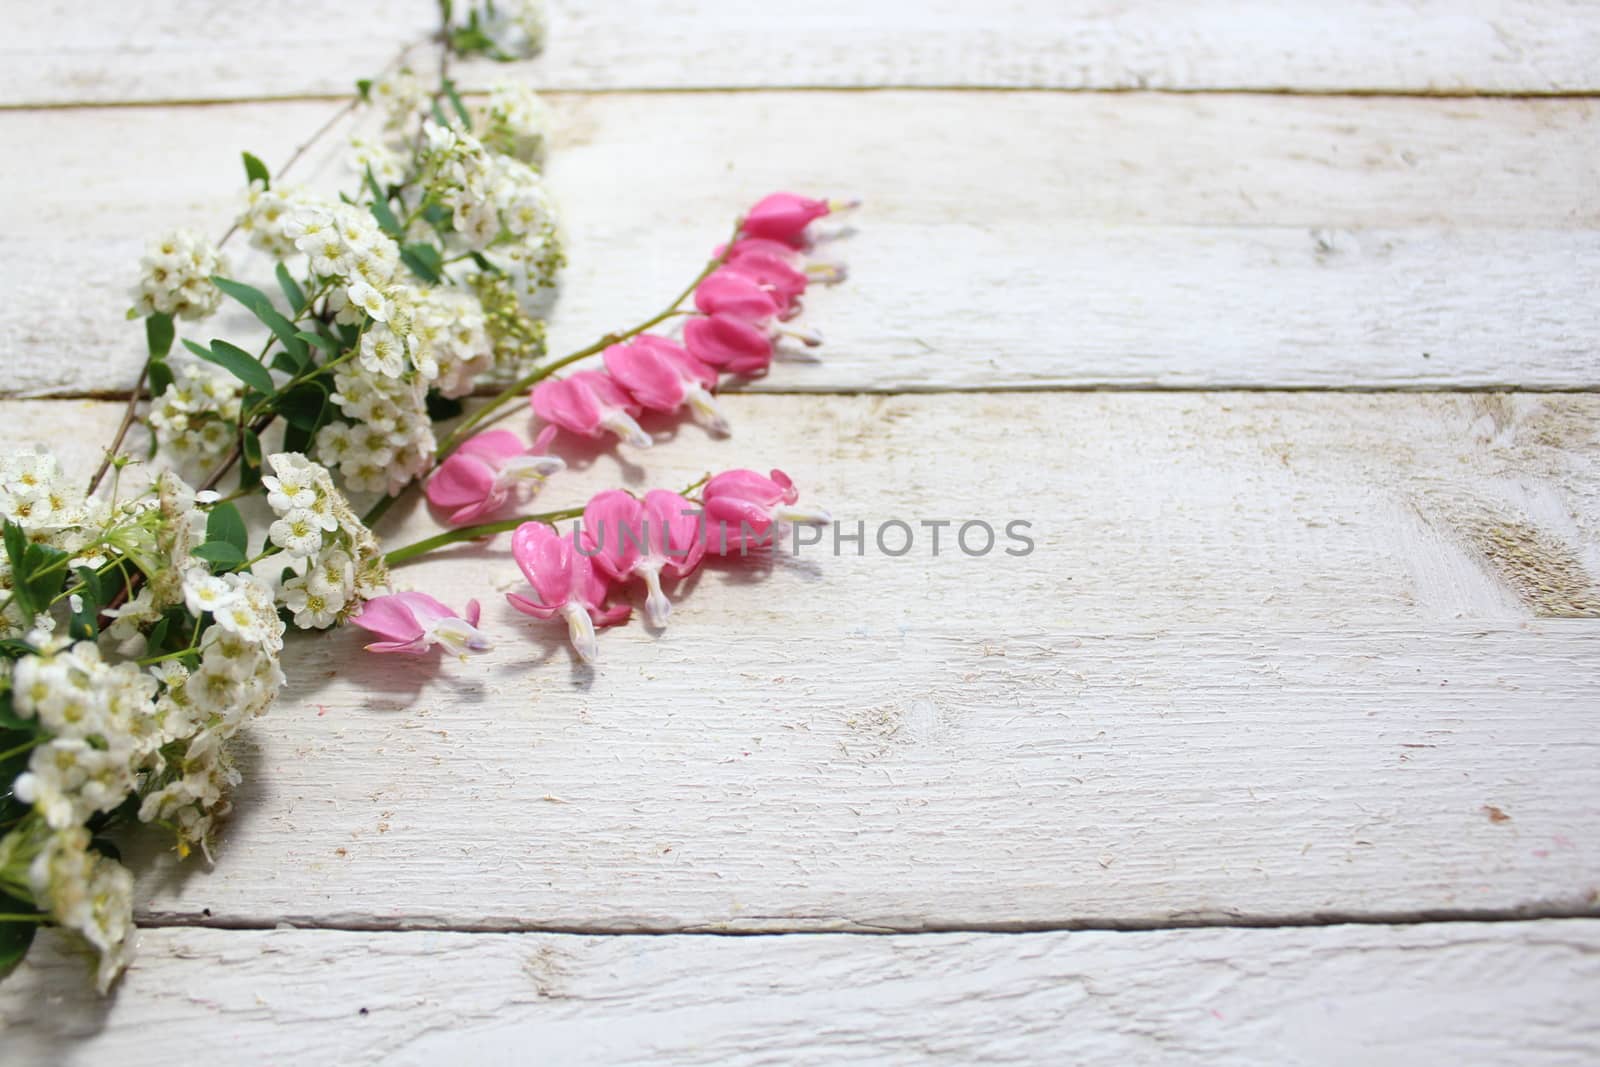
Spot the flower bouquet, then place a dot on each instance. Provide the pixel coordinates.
(143, 616)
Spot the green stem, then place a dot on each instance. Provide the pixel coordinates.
(472, 533)
(20, 749)
(453, 439)
(15, 917)
(194, 646)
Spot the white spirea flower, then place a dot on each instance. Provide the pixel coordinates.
(400, 96)
(517, 27)
(196, 418)
(89, 894)
(383, 162)
(449, 330)
(339, 561)
(516, 122)
(175, 277)
(203, 591)
(267, 214)
(392, 441)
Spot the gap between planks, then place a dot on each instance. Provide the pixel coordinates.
(1430, 917)
(887, 87)
(901, 389)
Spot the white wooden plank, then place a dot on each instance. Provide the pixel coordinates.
(1010, 240)
(1275, 655)
(112, 51)
(1450, 993)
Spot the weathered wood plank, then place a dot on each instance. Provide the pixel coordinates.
(1010, 240)
(1458, 993)
(1274, 655)
(149, 51)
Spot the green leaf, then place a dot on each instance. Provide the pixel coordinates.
(15, 937)
(291, 289)
(254, 169)
(328, 346)
(296, 439)
(85, 622)
(226, 525)
(220, 552)
(158, 335)
(381, 211)
(36, 583)
(160, 377)
(283, 361)
(455, 102)
(10, 720)
(363, 87)
(424, 261)
(260, 305)
(304, 406)
(237, 362)
(157, 636)
(441, 408)
(36, 570)
(250, 468)
(16, 545)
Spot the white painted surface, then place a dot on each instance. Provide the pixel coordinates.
(1194, 242)
(1469, 994)
(112, 51)
(1274, 656)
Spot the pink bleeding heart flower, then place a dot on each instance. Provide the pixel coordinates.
(661, 375)
(566, 583)
(486, 471)
(628, 537)
(726, 291)
(773, 274)
(728, 294)
(742, 507)
(785, 216)
(783, 268)
(589, 403)
(415, 622)
(729, 344)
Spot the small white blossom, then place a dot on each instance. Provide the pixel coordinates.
(175, 277)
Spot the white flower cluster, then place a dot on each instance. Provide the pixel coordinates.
(35, 496)
(448, 325)
(401, 98)
(346, 248)
(336, 560)
(268, 213)
(515, 122)
(495, 201)
(175, 277)
(237, 678)
(98, 718)
(197, 416)
(383, 162)
(517, 27)
(391, 440)
(86, 892)
(113, 730)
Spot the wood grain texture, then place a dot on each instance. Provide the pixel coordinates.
(1457, 993)
(1274, 656)
(115, 51)
(1046, 240)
